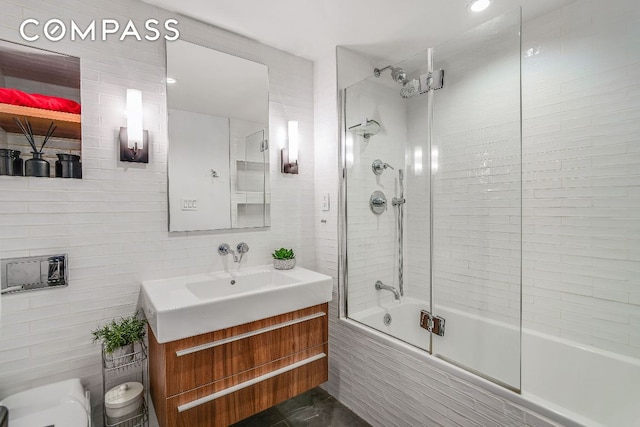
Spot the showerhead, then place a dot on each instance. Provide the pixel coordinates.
(397, 74)
(410, 88)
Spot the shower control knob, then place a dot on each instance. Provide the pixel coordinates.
(378, 166)
(378, 202)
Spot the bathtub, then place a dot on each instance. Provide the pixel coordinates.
(559, 378)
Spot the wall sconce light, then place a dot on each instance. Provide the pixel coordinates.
(289, 156)
(134, 141)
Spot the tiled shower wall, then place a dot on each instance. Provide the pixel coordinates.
(113, 223)
(581, 223)
(581, 174)
(476, 191)
(372, 238)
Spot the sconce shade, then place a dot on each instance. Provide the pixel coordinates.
(134, 141)
(134, 118)
(289, 156)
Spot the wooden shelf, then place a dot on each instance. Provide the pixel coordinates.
(68, 123)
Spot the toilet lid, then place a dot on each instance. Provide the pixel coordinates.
(123, 395)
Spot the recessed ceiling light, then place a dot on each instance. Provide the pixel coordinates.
(479, 5)
(171, 80)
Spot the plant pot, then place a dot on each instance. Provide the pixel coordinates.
(120, 356)
(37, 166)
(284, 264)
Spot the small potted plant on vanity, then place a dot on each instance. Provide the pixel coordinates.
(284, 259)
(118, 339)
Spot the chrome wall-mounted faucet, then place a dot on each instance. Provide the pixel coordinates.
(381, 286)
(242, 248)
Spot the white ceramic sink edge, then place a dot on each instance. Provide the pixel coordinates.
(186, 306)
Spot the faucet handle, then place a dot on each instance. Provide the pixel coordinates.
(223, 249)
(242, 248)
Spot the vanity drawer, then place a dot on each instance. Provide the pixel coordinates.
(234, 398)
(200, 360)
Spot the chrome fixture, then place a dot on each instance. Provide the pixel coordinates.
(242, 248)
(397, 74)
(386, 319)
(32, 273)
(378, 166)
(382, 287)
(378, 202)
(433, 324)
(430, 81)
(399, 202)
(367, 128)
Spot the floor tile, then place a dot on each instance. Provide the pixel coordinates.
(314, 408)
(326, 413)
(308, 398)
(267, 418)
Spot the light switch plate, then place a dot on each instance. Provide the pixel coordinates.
(326, 203)
(189, 204)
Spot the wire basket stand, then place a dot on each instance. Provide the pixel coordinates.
(121, 368)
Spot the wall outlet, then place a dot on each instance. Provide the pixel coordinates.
(326, 204)
(189, 204)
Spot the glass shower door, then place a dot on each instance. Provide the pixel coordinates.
(386, 182)
(476, 200)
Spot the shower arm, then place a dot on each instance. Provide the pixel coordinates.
(378, 71)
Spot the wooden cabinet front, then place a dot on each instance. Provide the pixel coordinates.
(236, 372)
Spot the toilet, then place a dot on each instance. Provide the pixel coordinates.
(61, 404)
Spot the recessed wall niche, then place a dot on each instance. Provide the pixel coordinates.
(39, 89)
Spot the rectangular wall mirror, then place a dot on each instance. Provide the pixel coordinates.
(218, 108)
(39, 101)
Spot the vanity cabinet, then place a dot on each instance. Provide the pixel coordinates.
(224, 376)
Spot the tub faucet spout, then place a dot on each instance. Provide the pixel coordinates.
(382, 286)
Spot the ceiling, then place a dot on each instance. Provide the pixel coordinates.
(382, 28)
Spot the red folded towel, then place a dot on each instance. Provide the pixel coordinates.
(16, 97)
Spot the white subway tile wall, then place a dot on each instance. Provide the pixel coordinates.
(581, 174)
(372, 238)
(476, 187)
(113, 223)
(581, 184)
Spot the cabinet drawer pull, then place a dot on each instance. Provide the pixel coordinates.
(247, 334)
(256, 380)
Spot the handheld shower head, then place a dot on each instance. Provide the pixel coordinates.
(410, 88)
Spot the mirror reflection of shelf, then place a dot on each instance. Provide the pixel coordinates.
(250, 197)
(251, 176)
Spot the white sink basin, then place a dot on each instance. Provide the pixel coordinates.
(186, 306)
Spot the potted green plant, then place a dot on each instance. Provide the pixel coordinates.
(118, 338)
(284, 259)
